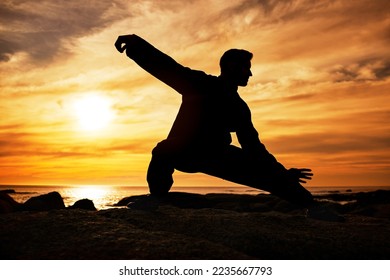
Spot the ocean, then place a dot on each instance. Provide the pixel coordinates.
(106, 196)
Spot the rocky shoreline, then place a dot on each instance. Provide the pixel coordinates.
(194, 226)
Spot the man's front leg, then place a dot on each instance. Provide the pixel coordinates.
(159, 176)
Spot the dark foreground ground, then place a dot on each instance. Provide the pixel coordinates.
(191, 226)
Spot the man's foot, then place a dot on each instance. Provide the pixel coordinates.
(321, 212)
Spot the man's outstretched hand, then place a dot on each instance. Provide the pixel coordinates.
(300, 174)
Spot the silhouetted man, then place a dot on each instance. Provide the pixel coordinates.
(200, 139)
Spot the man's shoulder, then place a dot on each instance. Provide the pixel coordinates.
(202, 75)
(200, 78)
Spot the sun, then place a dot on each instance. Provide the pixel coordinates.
(93, 112)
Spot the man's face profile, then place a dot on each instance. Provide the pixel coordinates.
(243, 72)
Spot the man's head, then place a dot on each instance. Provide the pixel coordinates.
(236, 66)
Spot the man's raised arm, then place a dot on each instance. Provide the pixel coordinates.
(152, 60)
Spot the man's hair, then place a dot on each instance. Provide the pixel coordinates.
(234, 57)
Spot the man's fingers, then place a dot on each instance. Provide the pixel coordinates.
(120, 43)
(303, 179)
(121, 48)
(301, 174)
(307, 174)
(305, 170)
(304, 174)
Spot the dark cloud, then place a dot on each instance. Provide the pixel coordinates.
(383, 72)
(6, 49)
(40, 28)
(367, 70)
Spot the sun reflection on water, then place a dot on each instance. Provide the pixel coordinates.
(103, 196)
(91, 192)
(98, 194)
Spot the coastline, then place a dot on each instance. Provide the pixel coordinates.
(106, 196)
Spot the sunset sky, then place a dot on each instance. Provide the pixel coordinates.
(75, 111)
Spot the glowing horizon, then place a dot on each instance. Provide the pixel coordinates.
(319, 94)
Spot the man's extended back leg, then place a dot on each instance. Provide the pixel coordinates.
(235, 166)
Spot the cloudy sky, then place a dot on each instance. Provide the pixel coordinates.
(319, 93)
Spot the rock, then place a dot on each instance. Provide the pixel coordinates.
(187, 200)
(176, 199)
(383, 211)
(376, 197)
(147, 203)
(85, 204)
(44, 202)
(8, 204)
(7, 191)
(227, 226)
(363, 198)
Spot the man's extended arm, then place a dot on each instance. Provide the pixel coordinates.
(251, 144)
(249, 140)
(152, 60)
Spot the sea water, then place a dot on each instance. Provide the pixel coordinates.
(105, 197)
